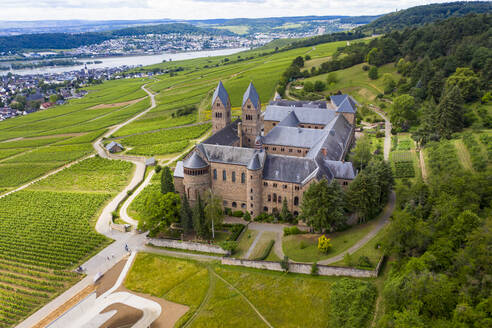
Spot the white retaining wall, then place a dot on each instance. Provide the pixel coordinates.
(187, 245)
(323, 270)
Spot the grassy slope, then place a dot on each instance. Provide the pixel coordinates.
(304, 247)
(284, 300)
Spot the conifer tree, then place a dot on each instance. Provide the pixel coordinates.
(285, 214)
(450, 113)
(186, 215)
(167, 184)
(199, 219)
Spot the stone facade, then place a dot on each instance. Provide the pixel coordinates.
(254, 176)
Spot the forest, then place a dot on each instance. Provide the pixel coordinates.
(421, 15)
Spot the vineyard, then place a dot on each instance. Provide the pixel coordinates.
(403, 164)
(161, 149)
(40, 244)
(164, 142)
(93, 174)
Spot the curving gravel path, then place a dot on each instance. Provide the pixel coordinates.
(388, 210)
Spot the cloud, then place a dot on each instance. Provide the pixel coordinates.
(68, 4)
(193, 9)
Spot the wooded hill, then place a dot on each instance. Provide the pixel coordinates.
(421, 15)
(69, 41)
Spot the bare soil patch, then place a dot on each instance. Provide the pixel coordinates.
(125, 103)
(126, 316)
(109, 279)
(171, 312)
(65, 307)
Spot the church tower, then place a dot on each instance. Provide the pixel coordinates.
(251, 122)
(221, 108)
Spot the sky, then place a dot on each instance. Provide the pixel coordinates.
(194, 9)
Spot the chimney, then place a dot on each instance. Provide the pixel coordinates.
(324, 151)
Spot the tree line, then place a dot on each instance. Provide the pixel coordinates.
(441, 239)
(325, 206)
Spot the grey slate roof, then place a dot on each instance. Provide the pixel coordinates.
(221, 92)
(227, 136)
(150, 161)
(299, 103)
(255, 163)
(195, 162)
(340, 170)
(346, 107)
(288, 168)
(179, 170)
(344, 103)
(252, 95)
(293, 136)
(305, 115)
(290, 120)
(112, 144)
(335, 141)
(229, 154)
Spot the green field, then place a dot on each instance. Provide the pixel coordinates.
(218, 295)
(304, 247)
(355, 82)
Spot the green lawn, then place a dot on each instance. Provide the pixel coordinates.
(304, 247)
(247, 238)
(262, 244)
(355, 81)
(370, 250)
(284, 300)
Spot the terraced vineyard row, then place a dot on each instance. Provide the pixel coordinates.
(45, 234)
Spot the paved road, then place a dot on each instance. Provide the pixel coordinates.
(387, 130)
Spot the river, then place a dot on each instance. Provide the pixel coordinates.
(143, 60)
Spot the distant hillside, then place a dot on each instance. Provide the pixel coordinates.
(69, 41)
(421, 15)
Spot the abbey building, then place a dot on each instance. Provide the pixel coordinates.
(257, 161)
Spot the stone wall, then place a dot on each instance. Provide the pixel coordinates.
(186, 245)
(323, 270)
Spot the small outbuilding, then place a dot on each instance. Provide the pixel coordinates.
(114, 147)
(150, 162)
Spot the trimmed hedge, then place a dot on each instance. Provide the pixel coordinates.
(267, 251)
(236, 230)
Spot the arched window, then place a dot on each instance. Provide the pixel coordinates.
(265, 209)
(269, 198)
(296, 213)
(233, 176)
(215, 174)
(296, 201)
(275, 197)
(279, 198)
(243, 177)
(224, 175)
(234, 204)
